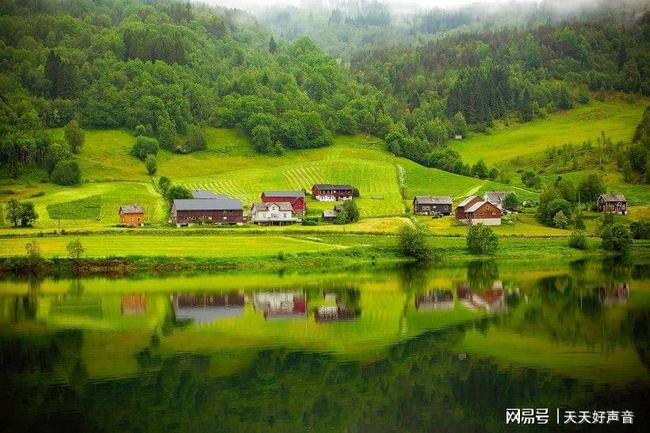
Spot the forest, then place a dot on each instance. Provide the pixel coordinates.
(164, 69)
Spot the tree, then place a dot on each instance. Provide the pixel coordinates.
(481, 239)
(273, 46)
(560, 220)
(75, 249)
(530, 179)
(511, 201)
(196, 139)
(28, 215)
(578, 240)
(177, 192)
(590, 188)
(261, 138)
(526, 109)
(13, 212)
(556, 206)
(151, 165)
(66, 172)
(616, 237)
(351, 209)
(413, 242)
(163, 185)
(166, 133)
(480, 170)
(640, 229)
(74, 136)
(341, 217)
(458, 124)
(145, 146)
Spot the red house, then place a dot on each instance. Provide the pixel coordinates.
(296, 198)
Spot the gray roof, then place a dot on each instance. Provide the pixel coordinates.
(495, 197)
(221, 203)
(433, 199)
(613, 197)
(204, 194)
(131, 208)
(332, 186)
(283, 205)
(293, 194)
(467, 200)
(330, 214)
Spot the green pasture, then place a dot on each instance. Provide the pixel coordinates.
(169, 246)
(617, 117)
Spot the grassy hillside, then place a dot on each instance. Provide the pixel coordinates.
(617, 117)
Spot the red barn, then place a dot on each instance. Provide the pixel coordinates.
(296, 198)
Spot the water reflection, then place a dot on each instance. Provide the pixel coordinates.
(393, 350)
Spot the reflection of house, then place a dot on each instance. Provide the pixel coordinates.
(616, 203)
(134, 304)
(490, 300)
(202, 308)
(429, 205)
(273, 213)
(435, 300)
(474, 210)
(280, 304)
(346, 306)
(616, 295)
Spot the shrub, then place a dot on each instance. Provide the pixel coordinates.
(145, 146)
(151, 165)
(560, 220)
(531, 179)
(66, 172)
(196, 139)
(511, 201)
(640, 230)
(75, 249)
(481, 239)
(616, 237)
(413, 242)
(556, 206)
(74, 136)
(578, 240)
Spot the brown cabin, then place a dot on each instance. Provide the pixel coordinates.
(616, 203)
(132, 215)
(220, 211)
(474, 210)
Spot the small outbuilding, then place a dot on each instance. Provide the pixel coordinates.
(616, 203)
(432, 204)
(132, 215)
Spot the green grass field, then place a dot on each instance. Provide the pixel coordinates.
(616, 117)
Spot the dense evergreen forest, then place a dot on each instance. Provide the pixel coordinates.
(164, 69)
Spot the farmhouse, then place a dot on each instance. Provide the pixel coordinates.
(474, 210)
(429, 205)
(273, 213)
(495, 197)
(295, 198)
(221, 210)
(616, 203)
(328, 192)
(132, 215)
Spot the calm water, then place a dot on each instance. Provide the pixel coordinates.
(402, 350)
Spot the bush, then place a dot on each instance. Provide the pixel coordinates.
(556, 206)
(151, 165)
(66, 172)
(145, 146)
(481, 239)
(578, 240)
(511, 201)
(196, 139)
(560, 220)
(75, 249)
(531, 179)
(640, 230)
(616, 237)
(413, 242)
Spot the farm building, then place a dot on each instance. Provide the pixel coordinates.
(132, 215)
(328, 192)
(495, 197)
(474, 210)
(616, 203)
(331, 215)
(295, 198)
(220, 210)
(273, 213)
(429, 205)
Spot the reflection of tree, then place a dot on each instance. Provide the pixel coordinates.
(481, 274)
(641, 332)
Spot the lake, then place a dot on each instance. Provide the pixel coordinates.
(366, 350)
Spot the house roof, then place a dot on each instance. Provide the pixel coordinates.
(131, 208)
(467, 200)
(292, 194)
(613, 197)
(433, 199)
(204, 194)
(476, 206)
(495, 196)
(220, 203)
(332, 186)
(330, 214)
(282, 205)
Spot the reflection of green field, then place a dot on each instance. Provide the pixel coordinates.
(618, 365)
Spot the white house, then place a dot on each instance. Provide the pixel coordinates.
(273, 213)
